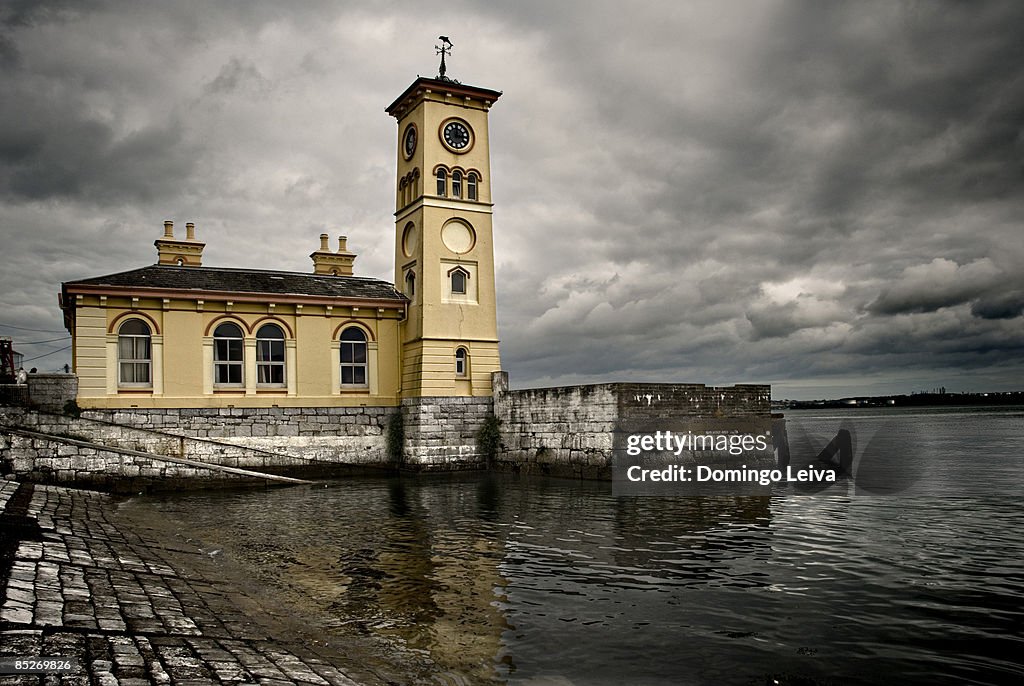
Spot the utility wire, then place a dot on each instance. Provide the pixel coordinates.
(22, 328)
(52, 352)
(51, 340)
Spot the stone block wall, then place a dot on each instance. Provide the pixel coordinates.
(440, 432)
(341, 435)
(51, 392)
(570, 431)
(564, 431)
(312, 442)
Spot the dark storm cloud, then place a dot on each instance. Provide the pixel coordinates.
(822, 195)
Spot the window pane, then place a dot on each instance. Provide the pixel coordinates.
(359, 353)
(360, 375)
(235, 373)
(142, 373)
(270, 331)
(134, 327)
(458, 282)
(124, 347)
(346, 375)
(227, 330)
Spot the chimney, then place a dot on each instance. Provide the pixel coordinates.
(333, 263)
(182, 253)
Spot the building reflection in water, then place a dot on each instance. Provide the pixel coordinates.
(464, 575)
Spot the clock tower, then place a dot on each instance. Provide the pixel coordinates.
(444, 252)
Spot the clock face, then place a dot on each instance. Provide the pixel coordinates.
(456, 135)
(410, 141)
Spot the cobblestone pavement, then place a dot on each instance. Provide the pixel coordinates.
(81, 586)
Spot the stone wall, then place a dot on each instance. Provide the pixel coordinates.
(440, 432)
(51, 392)
(320, 442)
(570, 431)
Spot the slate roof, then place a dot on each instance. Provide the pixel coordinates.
(245, 281)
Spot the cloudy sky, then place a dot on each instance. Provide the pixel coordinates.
(824, 196)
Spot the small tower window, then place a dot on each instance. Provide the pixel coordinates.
(461, 363)
(459, 278)
(410, 283)
(442, 182)
(471, 186)
(456, 184)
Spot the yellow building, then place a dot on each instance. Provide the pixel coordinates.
(180, 334)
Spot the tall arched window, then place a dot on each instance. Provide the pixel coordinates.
(471, 181)
(228, 355)
(442, 182)
(456, 184)
(134, 354)
(270, 368)
(461, 363)
(353, 357)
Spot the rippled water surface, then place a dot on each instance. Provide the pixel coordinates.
(492, 579)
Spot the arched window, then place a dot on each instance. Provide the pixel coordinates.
(456, 184)
(471, 186)
(459, 279)
(134, 356)
(270, 356)
(410, 283)
(442, 182)
(353, 357)
(227, 355)
(461, 363)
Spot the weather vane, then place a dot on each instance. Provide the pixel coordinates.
(444, 49)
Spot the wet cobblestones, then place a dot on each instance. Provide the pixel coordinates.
(102, 594)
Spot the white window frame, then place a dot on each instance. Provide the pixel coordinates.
(135, 361)
(266, 367)
(353, 364)
(229, 363)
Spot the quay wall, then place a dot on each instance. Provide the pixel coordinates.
(574, 430)
(302, 442)
(564, 431)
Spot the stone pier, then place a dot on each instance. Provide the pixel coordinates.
(133, 608)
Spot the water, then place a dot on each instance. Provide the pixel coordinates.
(487, 579)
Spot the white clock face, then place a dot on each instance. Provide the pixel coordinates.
(456, 135)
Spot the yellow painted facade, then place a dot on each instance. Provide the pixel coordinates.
(182, 353)
(440, 339)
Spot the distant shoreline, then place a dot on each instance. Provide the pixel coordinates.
(914, 400)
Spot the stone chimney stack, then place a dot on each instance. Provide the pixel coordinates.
(181, 253)
(333, 263)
